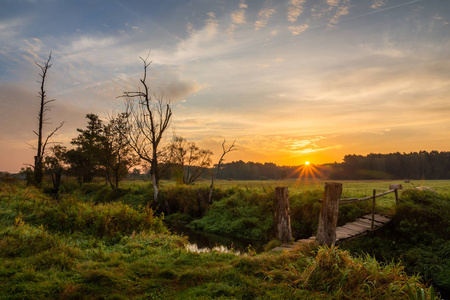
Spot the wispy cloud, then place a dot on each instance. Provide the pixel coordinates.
(332, 2)
(295, 10)
(264, 15)
(340, 9)
(237, 17)
(376, 4)
(296, 30)
(211, 24)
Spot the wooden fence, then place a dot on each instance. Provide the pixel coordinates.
(326, 232)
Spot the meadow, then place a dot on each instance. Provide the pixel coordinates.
(98, 243)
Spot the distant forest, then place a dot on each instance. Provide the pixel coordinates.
(414, 165)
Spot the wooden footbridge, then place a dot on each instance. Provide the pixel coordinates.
(328, 233)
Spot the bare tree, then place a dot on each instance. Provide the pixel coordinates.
(147, 119)
(187, 159)
(43, 108)
(224, 152)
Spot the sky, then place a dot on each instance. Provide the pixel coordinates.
(290, 81)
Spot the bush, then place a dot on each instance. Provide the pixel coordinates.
(418, 235)
(245, 214)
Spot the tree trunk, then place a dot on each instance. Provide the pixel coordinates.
(211, 189)
(326, 233)
(282, 220)
(38, 171)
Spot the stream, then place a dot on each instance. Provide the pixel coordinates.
(202, 241)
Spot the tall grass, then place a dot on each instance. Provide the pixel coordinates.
(418, 236)
(132, 257)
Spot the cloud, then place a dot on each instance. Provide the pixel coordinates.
(87, 43)
(295, 10)
(296, 30)
(332, 2)
(377, 4)
(263, 16)
(237, 17)
(339, 11)
(211, 24)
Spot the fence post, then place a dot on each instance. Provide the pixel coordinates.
(281, 218)
(326, 232)
(395, 187)
(373, 208)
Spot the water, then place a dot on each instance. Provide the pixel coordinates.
(202, 242)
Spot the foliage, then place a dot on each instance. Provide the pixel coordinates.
(245, 214)
(44, 259)
(187, 161)
(117, 156)
(84, 160)
(414, 165)
(418, 235)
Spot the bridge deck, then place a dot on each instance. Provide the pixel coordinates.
(360, 227)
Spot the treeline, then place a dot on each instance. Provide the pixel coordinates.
(414, 165)
(240, 170)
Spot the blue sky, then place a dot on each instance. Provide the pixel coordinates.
(290, 80)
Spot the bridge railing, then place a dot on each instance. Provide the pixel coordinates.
(326, 232)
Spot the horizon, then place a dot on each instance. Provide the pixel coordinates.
(292, 81)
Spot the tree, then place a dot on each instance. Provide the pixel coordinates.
(190, 161)
(54, 166)
(43, 108)
(224, 152)
(117, 156)
(85, 158)
(147, 120)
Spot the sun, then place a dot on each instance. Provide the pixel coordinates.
(306, 162)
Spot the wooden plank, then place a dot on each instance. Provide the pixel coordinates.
(348, 230)
(381, 218)
(355, 228)
(364, 221)
(376, 222)
(340, 237)
(378, 218)
(363, 224)
(342, 233)
(350, 227)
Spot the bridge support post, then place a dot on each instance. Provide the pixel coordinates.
(326, 232)
(281, 216)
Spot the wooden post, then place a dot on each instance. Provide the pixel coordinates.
(281, 216)
(396, 187)
(326, 232)
(373, 208)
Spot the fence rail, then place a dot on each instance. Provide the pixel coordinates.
(326, 233)
(353, 200)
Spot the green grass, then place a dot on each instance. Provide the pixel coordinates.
(120, 252)
(418, 236)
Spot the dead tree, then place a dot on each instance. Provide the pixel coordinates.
(213, 173)
(43, 108)
(147, 119)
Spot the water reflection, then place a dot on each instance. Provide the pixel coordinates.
(203, 242)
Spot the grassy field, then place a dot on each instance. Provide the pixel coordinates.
(77, 248)
(351, 188)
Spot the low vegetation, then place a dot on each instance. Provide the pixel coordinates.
(77, 247)
(418, 236)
